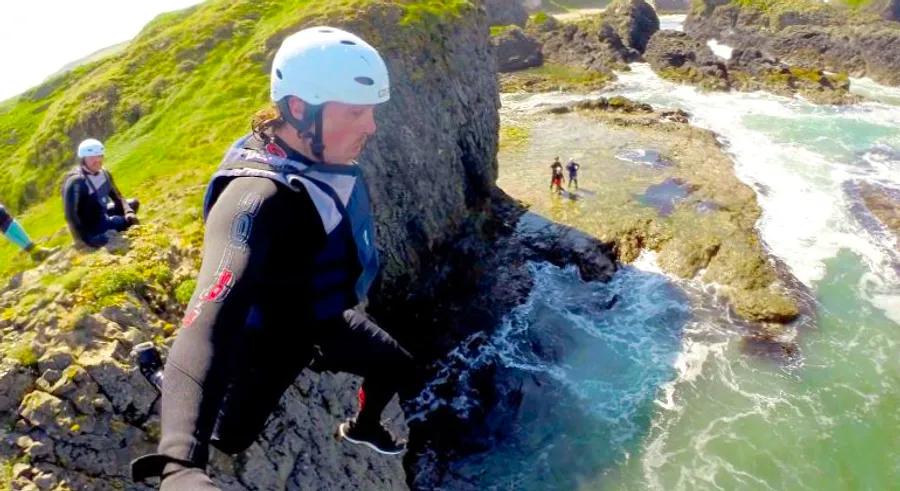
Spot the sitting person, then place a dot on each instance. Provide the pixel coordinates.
(93, 204)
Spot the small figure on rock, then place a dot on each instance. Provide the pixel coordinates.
(93, 203)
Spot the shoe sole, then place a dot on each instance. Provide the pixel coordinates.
(342, 431)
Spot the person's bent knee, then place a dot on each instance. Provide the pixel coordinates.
(134, 204)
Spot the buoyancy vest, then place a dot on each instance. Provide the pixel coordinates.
(343, 271)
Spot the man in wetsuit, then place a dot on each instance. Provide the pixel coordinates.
(556, 170)
(573, 167)
(16, 234)
(93, 204)
(289, 256)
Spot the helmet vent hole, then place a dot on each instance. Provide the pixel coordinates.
(351, 43)
(364, 80)
(326, 30)
(278, 74)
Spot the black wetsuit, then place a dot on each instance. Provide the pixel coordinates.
(249, 330)
(91, 212)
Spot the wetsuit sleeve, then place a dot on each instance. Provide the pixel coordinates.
(71, 199)
(239, 233)
(117, 196)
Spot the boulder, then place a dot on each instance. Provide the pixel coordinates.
(635, 21)
(515, 50)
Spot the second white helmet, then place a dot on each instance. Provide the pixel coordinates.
(90, 148)
(324, 64)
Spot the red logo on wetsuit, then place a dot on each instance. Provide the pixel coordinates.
(276, 150)
(191, 316)
(215, 293)
(220, 288)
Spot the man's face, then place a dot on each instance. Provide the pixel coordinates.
(93, 164)
(346, 127)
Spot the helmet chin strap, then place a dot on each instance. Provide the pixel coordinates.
(311, 116)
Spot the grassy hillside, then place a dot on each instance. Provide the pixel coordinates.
(166, 106)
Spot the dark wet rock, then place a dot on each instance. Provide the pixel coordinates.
(515, 50)
(565, 245)
(880, 202)
(634, 20)
(826, 37)
(612, 104)
(677, 56)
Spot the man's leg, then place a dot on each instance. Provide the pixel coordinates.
(272, 360)
(357, 345)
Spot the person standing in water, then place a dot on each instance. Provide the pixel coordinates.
(573, 167)
(288, 258)
(556, 170)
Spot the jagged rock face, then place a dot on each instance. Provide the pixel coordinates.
(824, 38)
(635, 21)
(432, 162)
(670, 52)
(679, 57)
(79, 408)
(505, 12)
(589, 45)
(515, 50)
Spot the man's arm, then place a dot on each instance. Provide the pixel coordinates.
(117, 197)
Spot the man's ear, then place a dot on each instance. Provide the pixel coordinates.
(297, 107)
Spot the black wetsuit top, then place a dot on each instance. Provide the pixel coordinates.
(85, 215)
(260, 240)
(251, 327)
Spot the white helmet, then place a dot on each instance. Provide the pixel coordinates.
(90, 148)
(323, 64)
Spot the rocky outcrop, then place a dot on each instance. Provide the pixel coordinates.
(79, 411)
(677, 56)
(876, 206)
(817, 35)
(505, 12)
(601, 43)
(515, 50)
(681, 58)
(635, 22)
(591, 44)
